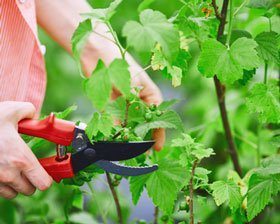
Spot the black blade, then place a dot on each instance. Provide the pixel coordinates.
(118, 151)
(125, 170)
(88, 153)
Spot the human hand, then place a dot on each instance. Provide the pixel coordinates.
(20, 171)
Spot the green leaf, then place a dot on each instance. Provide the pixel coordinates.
(105, 124)
(66, 112)
(98, 87)
(201, 153)
(264, 100)
(120, 76)
(176, 75)
(78, 199)
(267, 48)
(136, 112)
(262, 4)
(227, 191)
(99, 123)
(92, 127)
(137, 185)
(186, 141)
(247, 76)
(82, 218)
(164, 184)
(153, 27)
(166, 104)
(228, 63)
(159, 62)
(9, 212)
(191, 150)
(104, 14)
(261, 189)
(78, 37)
(169, 119)
(144, 5)
(168, 180)
(201, 177)
(117, 108)
(272, 160)
(236, 34)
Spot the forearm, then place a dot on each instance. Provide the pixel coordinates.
(60, 18)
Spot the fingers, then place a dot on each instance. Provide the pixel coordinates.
(22, 173)
(151, 95)
(38, 177)
(22, 185)
(35, 173)
(7, 192)
(31, 174)
(159, 137)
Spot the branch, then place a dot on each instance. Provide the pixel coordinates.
(156, 215)
(218, 15)
(126, 113)
(192, 192)
(220, 91)
(116, 199)
(223, 19)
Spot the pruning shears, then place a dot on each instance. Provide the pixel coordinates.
(65, 133)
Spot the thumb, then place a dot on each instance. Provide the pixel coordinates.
(25, 110)
(19, 111)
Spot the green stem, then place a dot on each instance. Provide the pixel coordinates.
(258, 147)
(240, 7)
(265, 73)
(103, 36)
(115, 197)
(230, 22)
(115, 36)
(103, 217)
(191, 189)
(252, 144)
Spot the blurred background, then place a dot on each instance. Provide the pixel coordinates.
(197, 107)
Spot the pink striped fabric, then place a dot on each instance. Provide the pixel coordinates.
(22, 69)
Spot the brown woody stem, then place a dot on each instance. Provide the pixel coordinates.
(216, 10)
(192, 192)
(220, 91)
(156, 215)
(116, 199)
(126, 113)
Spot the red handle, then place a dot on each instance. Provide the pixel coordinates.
(58, 170)
(51, 128)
